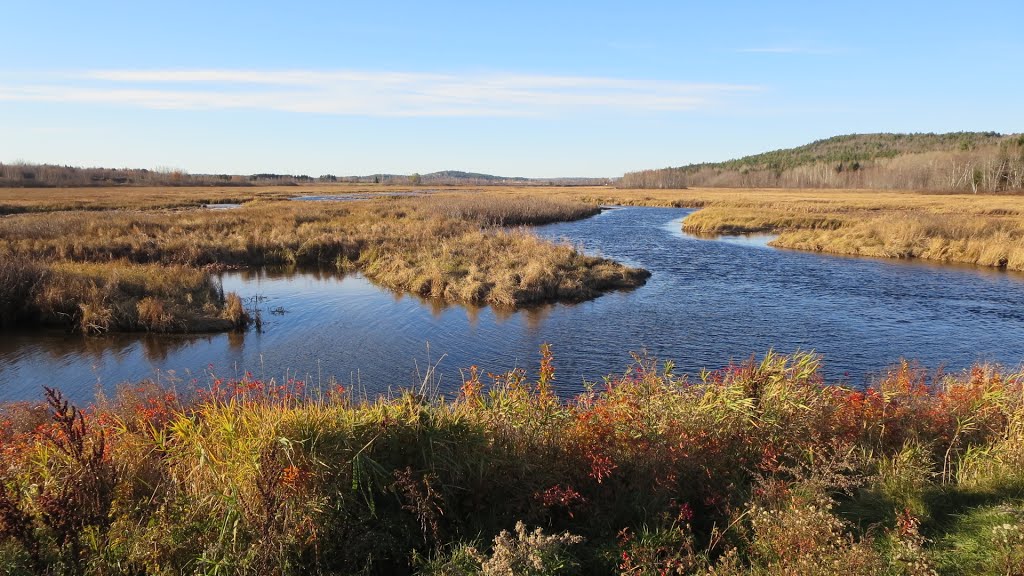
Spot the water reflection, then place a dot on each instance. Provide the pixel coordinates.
(707, 302)
(57, 344)
(757, 240)
(236, 341)
(537, 315)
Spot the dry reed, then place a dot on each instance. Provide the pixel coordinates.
(455, 247)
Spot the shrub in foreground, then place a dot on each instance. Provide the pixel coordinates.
(755, 468)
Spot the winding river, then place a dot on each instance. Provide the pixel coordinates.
(708, 302)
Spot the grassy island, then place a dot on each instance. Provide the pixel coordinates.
(978, 229)
(148, 267)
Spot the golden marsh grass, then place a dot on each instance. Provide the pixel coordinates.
(460, 247)
(985, 230)
(459, 244)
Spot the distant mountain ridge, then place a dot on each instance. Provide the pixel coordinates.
(22, 175)
(458, 174)
(956, 161)
(459, 177)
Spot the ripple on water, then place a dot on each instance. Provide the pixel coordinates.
(707, 302)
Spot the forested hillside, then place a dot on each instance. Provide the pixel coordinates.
(960, 161)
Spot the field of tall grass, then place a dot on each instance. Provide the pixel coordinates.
(982, 240)
(458, 244)
(96, 298)
(24, 200)
(150, 268)
(984, 230)
(757, 468)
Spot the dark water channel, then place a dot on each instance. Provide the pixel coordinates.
(707, 302)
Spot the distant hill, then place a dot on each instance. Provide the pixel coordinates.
(458, 177)
(444, 177)
(854, 148)
(958, 161)
(22, 175)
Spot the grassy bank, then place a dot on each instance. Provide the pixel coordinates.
(455, 247)
(758, 468)
(996, 241)
(985, 230)
(461, 244)
(28, 200)
(95, 298)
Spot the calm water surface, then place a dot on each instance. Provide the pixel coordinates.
(707, 302)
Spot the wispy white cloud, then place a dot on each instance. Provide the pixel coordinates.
(770, 50)
(363, 93)
(781, 50)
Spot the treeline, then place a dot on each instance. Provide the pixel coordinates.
(958, 162)
(20, 175)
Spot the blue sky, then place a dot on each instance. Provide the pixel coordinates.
(520, 88)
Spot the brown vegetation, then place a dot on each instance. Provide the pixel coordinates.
(527, 208)
(113, 296)
(979, 229)
(758, 468)
(452, 244)
(442, 246)
(970, 229)
(980, 240)
(716, 220)
(24, 200)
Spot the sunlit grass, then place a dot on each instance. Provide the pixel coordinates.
(985, 230)
(118, 295)
(453, 247)
(755, 468)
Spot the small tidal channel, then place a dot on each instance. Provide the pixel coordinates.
(707, 302)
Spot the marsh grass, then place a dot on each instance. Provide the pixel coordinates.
(100, 297)
(513, 210)
(716, 220)
(456, 243)
(984, 230)
(28, 200)
(18, 280)
(756, 468)
(981, 240)
(115, 269)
